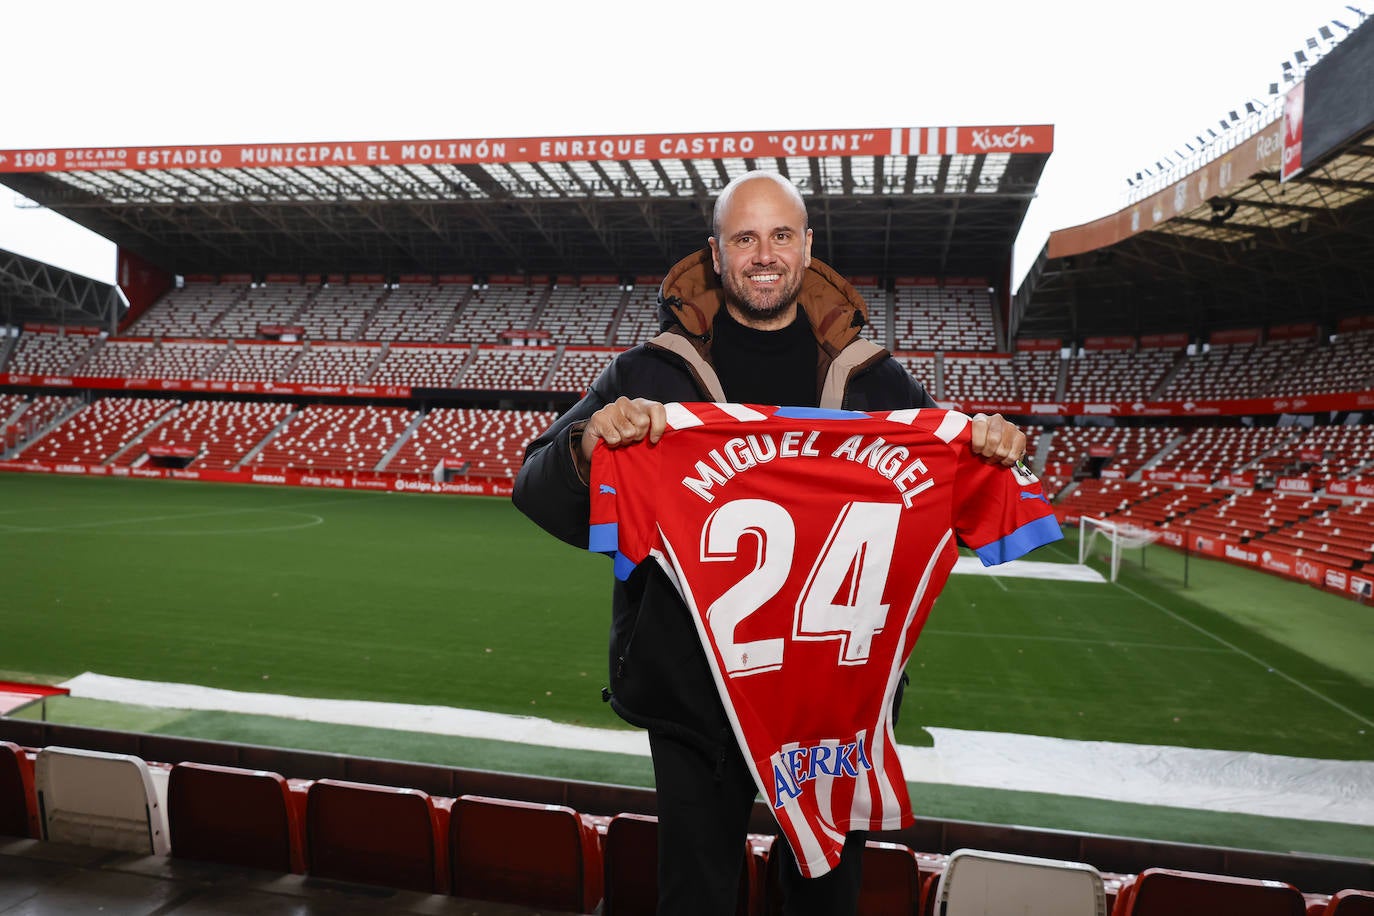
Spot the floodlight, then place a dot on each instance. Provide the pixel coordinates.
(1273, 88)
(1359, 13)
(1300, 57)
(1312, 44)
(1234, 117)
(1250, 108)
(1341, 24)
(1325, 33)
(1224, 124)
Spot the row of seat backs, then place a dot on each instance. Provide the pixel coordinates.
(535, 854)
(472, 846)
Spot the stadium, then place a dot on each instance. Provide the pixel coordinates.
(275, 637)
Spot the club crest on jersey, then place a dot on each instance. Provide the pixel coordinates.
(795, 767)
(1023, 474)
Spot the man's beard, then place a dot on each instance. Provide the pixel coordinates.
(759, 305)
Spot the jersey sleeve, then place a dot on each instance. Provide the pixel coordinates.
(623, 504)
(1001, 513)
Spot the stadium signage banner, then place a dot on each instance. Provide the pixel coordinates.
(203, 385)
(472, 486)
(1355, 487)
(878, 141)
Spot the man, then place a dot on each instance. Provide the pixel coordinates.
(751, 319)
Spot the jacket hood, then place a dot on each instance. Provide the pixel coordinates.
(692, 294)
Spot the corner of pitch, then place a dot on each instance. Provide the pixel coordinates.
(795, 766)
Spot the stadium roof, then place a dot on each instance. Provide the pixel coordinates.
(884, 202)
(1228, 246)
(31, 291)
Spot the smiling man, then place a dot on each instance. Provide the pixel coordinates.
(750, 319)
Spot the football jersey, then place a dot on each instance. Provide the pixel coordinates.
(808, 546)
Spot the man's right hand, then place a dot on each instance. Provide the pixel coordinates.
(623, 422)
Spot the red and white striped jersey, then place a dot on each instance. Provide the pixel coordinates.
(809, 546)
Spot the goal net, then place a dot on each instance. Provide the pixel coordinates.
(1120, 535)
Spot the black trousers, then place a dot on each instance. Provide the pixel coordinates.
(703, 818)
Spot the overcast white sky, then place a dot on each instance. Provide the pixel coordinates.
(1122, 83)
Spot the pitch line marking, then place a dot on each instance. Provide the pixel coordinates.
(15, 529)
(1109, 643)
(1254, 658)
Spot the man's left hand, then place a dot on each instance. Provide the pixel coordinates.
(996, 440)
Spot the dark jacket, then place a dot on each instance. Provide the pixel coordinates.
(659, 675)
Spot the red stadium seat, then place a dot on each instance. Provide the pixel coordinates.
(1351, 903)
(631, 855)
(525, 853)
(18, 805)
(892, 880)
(1167, 892)
(375, 835)
(235, 816)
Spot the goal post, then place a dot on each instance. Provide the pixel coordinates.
(1121, 535)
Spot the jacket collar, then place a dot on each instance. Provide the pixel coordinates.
(692, 294)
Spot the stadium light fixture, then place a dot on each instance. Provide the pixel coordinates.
(1312, 43)
(1224, 125)
(1341, 24)
(1234, 117)
(1273, 88)
(1326, 34)
(1359, 13)
(1300, 57)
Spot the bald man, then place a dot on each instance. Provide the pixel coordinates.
(752, 318)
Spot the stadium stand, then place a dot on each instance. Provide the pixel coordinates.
(117, 359)
(192, 310)
(638, 317)
(581, 314)
(388, 824)
(176, 360)
(334, 365)
(1118, 375)
(29, 418)
(577, 369)
(942, 317)
(339, 312)
(509, 368)
(323, 437)
(99, 431)
(254, 362)
(39, 353)
(477, 442)
(495, 309)
(417, 312)
(275, 304)
(217, 434)
(421, 366)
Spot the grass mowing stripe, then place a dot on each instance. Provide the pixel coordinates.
(1074, 639)
(1259, 661)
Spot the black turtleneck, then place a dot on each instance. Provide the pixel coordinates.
(766, 367)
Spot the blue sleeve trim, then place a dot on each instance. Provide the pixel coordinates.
(1022, 541)
(623, 567)
(603, 538)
